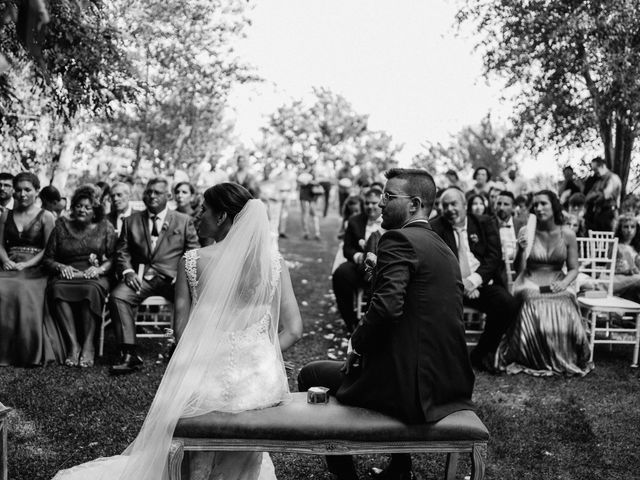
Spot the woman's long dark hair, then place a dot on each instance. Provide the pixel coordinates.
(556, 207)
(484, 202)
(227, 197)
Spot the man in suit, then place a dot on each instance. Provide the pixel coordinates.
(151, 243)
(408, 356)
(476, 243)
(508, 226)
(349, 276)
(120, 194)
(6, 191)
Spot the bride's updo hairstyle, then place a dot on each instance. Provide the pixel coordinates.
(227, 197)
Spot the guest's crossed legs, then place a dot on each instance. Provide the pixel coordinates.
(326, 373)
(501, 309)
(123, 301)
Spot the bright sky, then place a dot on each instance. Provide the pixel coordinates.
(401, 62)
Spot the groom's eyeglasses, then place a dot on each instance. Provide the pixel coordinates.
(386, 196)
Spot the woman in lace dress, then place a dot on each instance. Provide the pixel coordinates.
(548, 336)
(235, 311)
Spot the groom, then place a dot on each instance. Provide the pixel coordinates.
(407, 357)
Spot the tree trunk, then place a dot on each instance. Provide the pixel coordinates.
(69, 143)
(623, 150)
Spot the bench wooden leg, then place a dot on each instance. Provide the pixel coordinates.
(451, 467)
(478, 461)
(176, 454)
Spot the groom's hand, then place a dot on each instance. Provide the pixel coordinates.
(352, 362)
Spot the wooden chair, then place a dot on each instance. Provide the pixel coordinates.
(4, 425)
(597, 260)
(154, 319)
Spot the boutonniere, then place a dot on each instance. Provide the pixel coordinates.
(93, 260)
(473, 238)
(165, 225)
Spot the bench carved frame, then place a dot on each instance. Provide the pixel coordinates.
(476, 449)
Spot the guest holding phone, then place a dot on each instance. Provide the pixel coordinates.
(547, 337)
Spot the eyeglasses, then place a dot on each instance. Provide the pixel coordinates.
(386, 196)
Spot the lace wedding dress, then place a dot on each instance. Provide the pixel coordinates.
(228, 358)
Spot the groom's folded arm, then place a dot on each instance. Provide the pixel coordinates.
(396, 261)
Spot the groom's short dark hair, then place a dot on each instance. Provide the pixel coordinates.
(420, 183)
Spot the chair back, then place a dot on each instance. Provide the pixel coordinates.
(597, 260)
(508, 256)
(600, 234)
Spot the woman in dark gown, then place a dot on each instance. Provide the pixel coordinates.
(79, 256)
(548, 337)
(28, 335)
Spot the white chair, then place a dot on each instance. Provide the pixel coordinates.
(154, 319)
(597, 260)
(600, 234)
(359, 303)
(508, 256)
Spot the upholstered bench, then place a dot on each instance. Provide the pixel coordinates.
(3, 441)
(330, 429)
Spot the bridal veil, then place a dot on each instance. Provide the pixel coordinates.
(238, 290)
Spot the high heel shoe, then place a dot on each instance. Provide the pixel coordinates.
(85, 363)
(72, 360)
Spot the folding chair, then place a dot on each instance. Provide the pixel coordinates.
(473, 325)
(600, 234)
(597, 260)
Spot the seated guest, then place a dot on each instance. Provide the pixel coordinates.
(28, 335)
(120, 208)
(349, 276)
(51, 200)
(575, 224)
(103, 191)
(548, 336)
(184, 195)
(626, 283)
(79, 256)
(508, 226)
(577, 205)
(353, 205)
(477, 205)
(151, 243)
(476, 243)
(6, 191)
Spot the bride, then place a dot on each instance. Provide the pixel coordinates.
(235, 311)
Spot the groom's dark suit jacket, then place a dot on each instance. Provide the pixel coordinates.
(176, 236)
(415, 364)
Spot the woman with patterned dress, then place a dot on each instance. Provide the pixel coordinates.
(234, 312)
(548, 336)
(626, 282)
(78, 256)
(28, 335)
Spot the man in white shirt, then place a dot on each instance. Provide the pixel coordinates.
(507, 226)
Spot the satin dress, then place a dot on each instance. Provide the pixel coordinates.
(548, 336)
(28, 334)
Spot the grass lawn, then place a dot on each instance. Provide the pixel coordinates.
(541, 428)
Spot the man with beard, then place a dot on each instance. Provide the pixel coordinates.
(407, 357)
(507, 225)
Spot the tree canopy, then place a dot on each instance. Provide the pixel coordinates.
(576, 63)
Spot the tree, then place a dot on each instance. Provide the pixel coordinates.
(184, 57)
(577, 63)
(329, 128)
(485, 145)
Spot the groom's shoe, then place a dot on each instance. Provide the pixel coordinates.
(130, 363)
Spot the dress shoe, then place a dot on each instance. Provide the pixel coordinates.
(130, 363)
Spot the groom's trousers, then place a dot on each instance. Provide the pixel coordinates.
(326, 373)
